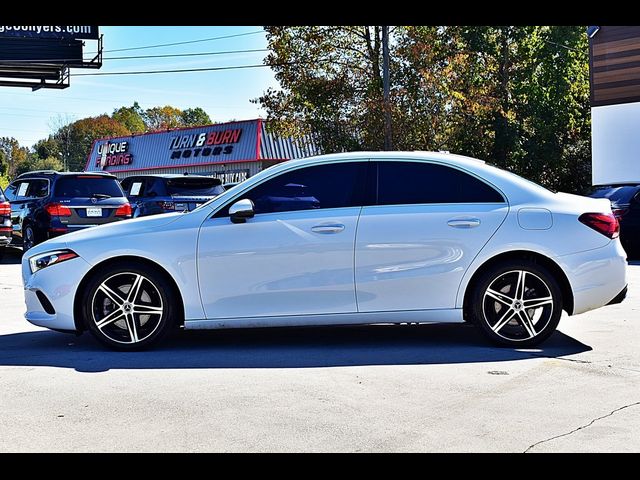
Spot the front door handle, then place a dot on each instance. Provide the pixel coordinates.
(464, 222)
(328, 228)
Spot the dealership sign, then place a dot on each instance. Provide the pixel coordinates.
(219, 143)
(113, 154)
(204, 144)
(85, 32)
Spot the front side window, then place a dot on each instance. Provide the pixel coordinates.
(318, 187)
(401, 183)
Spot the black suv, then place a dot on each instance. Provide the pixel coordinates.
(153, 194)
(45, 204)
(5, 222)
(625, 203)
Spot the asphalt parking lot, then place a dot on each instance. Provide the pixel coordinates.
(380, 388)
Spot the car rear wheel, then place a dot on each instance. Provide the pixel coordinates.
(517, 304)
(129, 307)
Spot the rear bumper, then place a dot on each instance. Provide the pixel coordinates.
(620, 297)
(5, 239)
(56, 231)
(596, 276)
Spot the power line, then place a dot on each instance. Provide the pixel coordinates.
(563, 46)
(136, 57)
(210, 39)
(180, 70)
(110, 101)
(187, 54)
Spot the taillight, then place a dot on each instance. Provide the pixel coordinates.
(620, 212)
(166, 205)
(57, 210)
(124, 210)
(604, 223)
(5, 208)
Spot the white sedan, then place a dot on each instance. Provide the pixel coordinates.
(354, 238)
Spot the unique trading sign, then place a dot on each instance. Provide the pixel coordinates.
(86, 32)
(111, 154)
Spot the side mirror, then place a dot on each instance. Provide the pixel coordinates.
(241, 210)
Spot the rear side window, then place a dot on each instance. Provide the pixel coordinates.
(401, 183)
(10, 192)
(194, 186)
(87, 186)
(133, 187)
(31, 188)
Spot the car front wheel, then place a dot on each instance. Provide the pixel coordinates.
(129, 307)
(28, 238)
(517, 304)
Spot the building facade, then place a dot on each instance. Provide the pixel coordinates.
(231, 151)
(614, 65)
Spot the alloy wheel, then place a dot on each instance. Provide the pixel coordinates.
(29, 239)
(127, 308)
(518, 305)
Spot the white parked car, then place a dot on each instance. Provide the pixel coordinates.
(355, 238)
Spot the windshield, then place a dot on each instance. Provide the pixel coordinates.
(194, 186)
(621, 194)
(87, 186)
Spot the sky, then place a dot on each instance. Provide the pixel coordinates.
(224, 95)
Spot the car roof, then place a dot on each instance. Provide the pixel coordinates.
(450, 158)
(618, 185)
(515, 188)
(53, 173)
(167, 175)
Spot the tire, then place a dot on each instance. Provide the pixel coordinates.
(499, 304)
(109, 312)
(29, 238)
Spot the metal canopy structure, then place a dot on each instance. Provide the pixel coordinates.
(41, 57)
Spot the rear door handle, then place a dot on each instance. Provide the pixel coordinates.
(328, 228)
(464, 222)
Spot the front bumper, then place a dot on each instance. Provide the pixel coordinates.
(596, 276)
(58, 283)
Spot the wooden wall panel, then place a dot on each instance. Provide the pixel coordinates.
(614, 65)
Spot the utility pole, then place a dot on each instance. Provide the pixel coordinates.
(388, 145)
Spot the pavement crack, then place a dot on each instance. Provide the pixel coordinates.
(582, 427)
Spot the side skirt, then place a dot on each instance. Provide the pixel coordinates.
(453, 315)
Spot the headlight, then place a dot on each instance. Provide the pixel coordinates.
(43, 260)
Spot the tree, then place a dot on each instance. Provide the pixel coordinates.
(132, 118)
(79, 135)
(193, 117)
(11, 155)
(33, 162)
(48, 147)
(514, 96)
(163, 118)
(520, 100)
(331, 83)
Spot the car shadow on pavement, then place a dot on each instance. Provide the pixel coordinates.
(279, 348)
